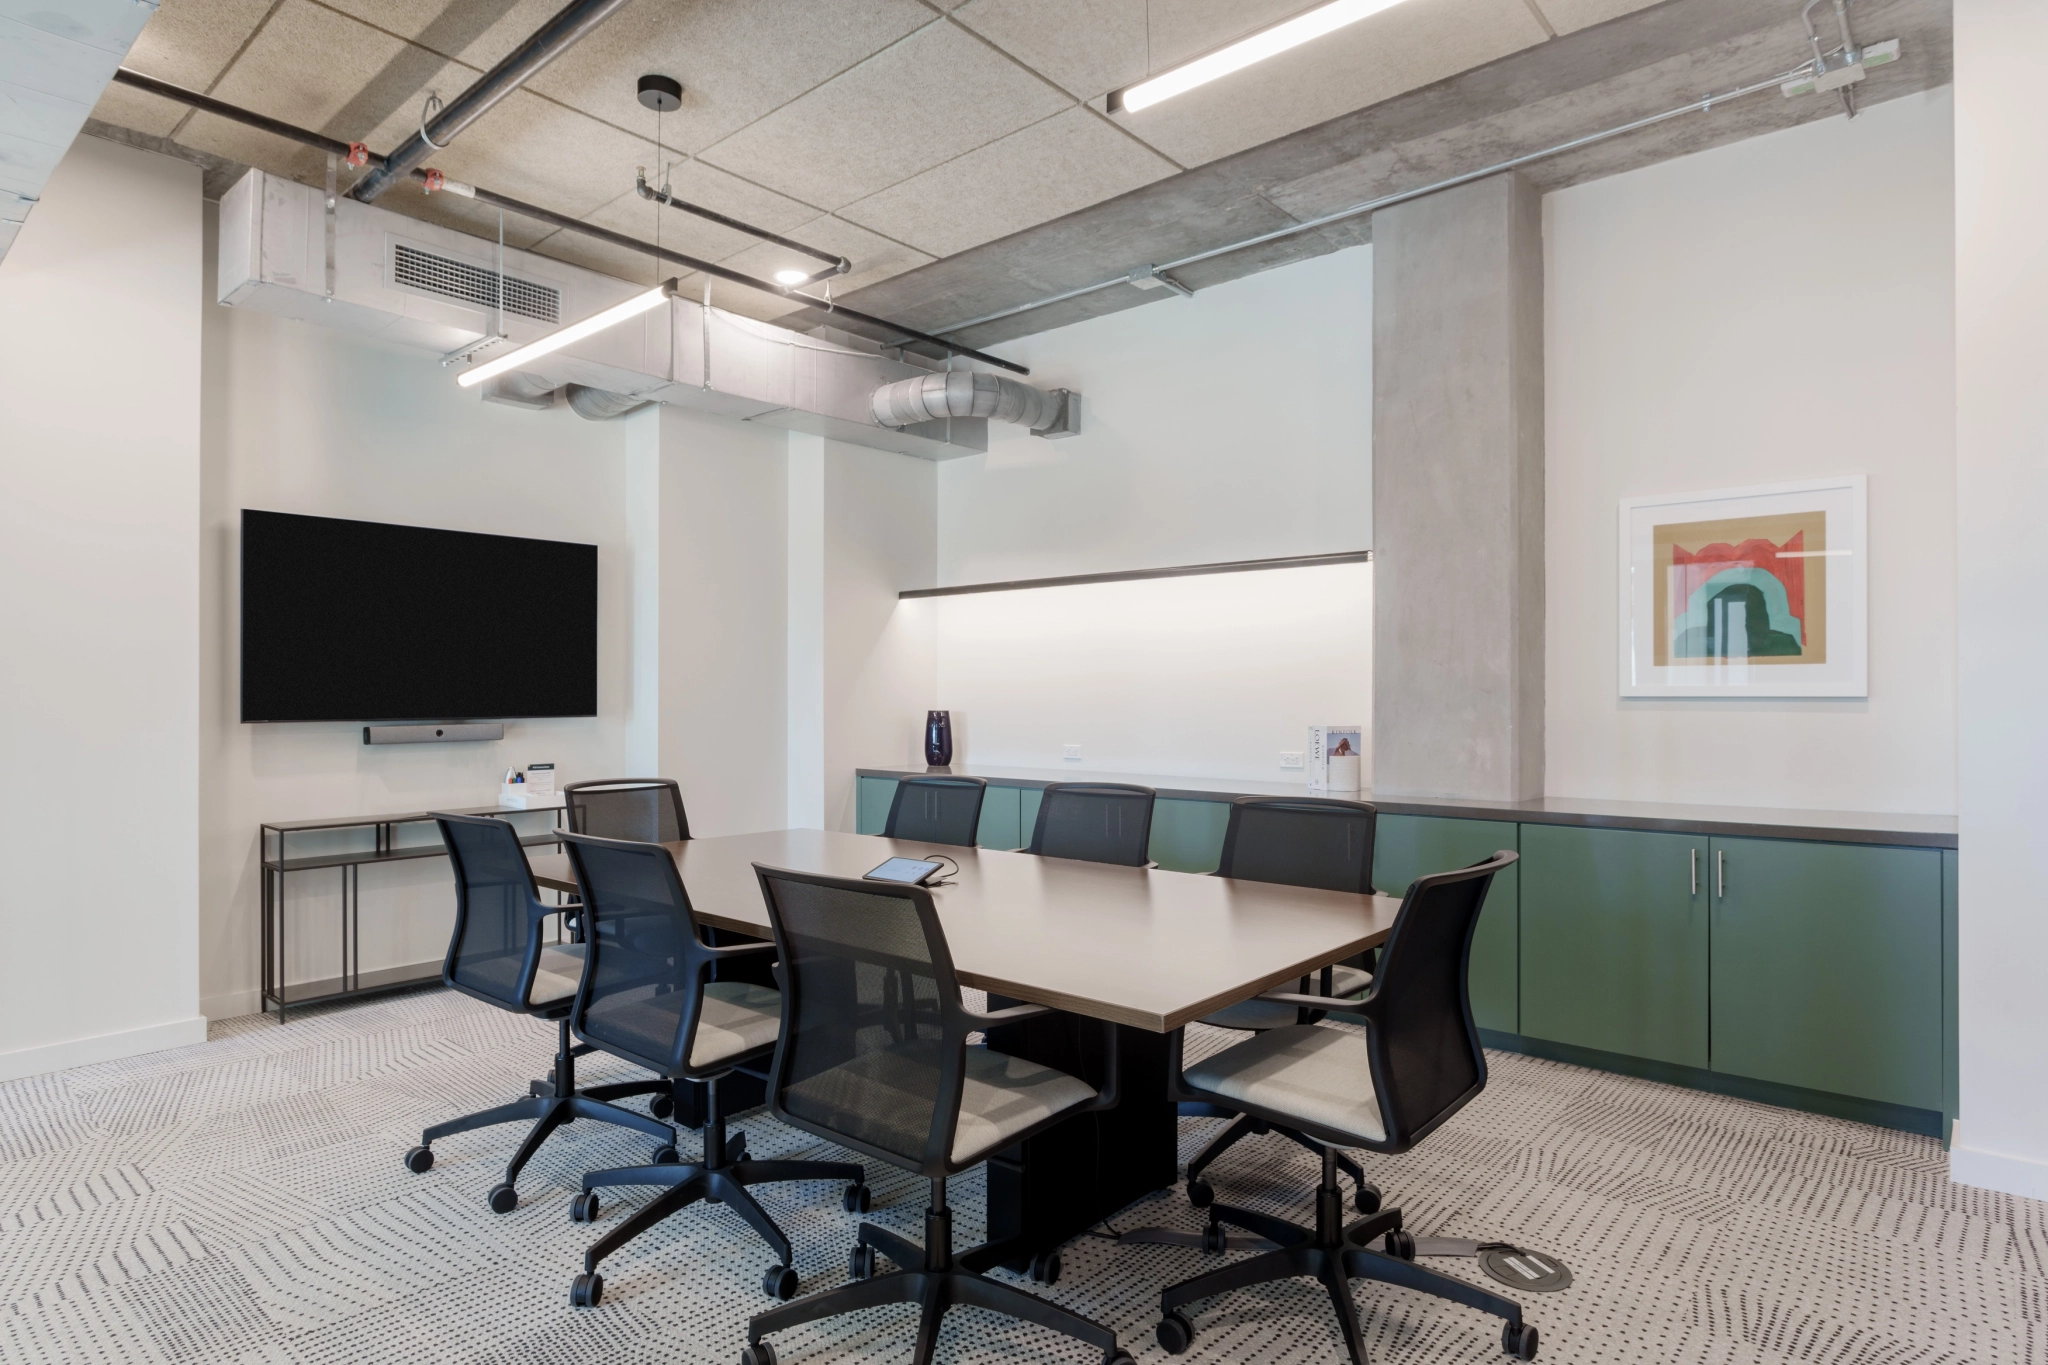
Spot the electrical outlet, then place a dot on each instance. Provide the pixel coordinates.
(1072, 754)
(1290, 758)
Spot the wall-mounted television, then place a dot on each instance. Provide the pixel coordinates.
(363, 621)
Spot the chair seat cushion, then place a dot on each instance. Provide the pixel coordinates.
(737, 1017)
(1320, 1076)
(1003, 1096)
(560, 973)
(1347, 983)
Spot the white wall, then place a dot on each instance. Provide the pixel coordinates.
(1233, 425)
(2002, 485)
(722, 588)
(305, 419)
(99, 674)
(1196, 677)
(1776, 309)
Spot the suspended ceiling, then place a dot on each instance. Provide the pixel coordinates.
(938, 145)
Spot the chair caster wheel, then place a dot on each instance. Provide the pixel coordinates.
(1215, 1240)
(760, 1353)
(586, 1291)
(1201, 1193)
(1400, 1245)
(583, 1208)
(1119, 1356)
(503, 1198)
(419, 1160)
(1367, 1199)
(1045, 1267)
(860, 1265)
(1518, 1339)
(856, 1199)
(1175, 1333)
(662, 1106)
(780, 1283)
(665, 1156)
(735, 1148)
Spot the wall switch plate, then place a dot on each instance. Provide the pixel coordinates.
(1072, 754)
(1290, 758)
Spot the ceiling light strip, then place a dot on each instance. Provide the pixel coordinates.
(1302, 28)
(567, 336)
(1132, 575)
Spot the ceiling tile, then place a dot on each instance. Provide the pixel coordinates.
(737, 59)
(715, 190)
(921, 102)
(1052, 168)
(1089, 46)
(875, 257)
(188, 43)
(534, 149)
(1401, 49)
(1568, 16)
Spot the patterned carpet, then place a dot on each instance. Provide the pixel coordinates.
(243, 1201)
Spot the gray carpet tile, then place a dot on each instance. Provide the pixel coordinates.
(242, 1202)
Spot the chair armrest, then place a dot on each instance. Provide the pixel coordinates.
(1015, 1014)
(1324, 1003)
(737, 949)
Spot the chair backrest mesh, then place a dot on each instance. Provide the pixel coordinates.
(936, 810)
(1097, 822)
(645, 970)
(494, 900)
(645, 810)
(1300, 841)
(871, 1050)
(1430, 1057)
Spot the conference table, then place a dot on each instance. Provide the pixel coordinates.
(1141, 948)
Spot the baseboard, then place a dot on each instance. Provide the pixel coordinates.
(1999, 1171)
(106, 1047)
(1878, 1113)
(231, 1004)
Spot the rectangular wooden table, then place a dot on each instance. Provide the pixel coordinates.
(1144, 949)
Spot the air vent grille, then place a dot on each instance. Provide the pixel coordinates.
(451, 278)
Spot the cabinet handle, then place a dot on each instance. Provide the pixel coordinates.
(1692, 856)
(1721, 874)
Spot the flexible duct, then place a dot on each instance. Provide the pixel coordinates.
(601, 405)
(963, 393)
(521, 390)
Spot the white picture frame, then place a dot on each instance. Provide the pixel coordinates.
(1746, 592)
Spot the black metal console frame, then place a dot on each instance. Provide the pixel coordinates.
(353, 982)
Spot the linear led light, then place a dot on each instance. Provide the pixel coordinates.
(574, 332)
(1300, 29)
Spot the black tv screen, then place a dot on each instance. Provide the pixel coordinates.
(361, 621)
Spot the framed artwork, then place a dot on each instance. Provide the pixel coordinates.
(1746, 592)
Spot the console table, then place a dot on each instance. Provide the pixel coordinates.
(390, 839)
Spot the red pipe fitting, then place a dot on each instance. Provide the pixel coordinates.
(358, 155)
(434, 180)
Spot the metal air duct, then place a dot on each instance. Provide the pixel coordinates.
(963, 393)
(601, 405)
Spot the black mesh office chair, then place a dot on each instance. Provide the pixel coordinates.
(652, 995)
(936, 810)
(648, 810)
(874, 1056)
(498, 955)
(1097, 822)
(1417, 1062)
(1294, 841)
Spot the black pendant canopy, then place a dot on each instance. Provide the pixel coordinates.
(662, 93)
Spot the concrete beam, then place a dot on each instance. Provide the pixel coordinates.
(1457, 490)
(1584, 82)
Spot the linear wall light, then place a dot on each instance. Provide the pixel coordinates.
(1132, 575)
(1270, 42)
(574, 332)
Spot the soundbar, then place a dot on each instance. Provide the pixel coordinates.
(448, 732)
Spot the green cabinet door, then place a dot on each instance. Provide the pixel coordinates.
(1614, 941)
(1027, 813)
(1409, 846)
(1828, 967)
(1187, 836)
(871, 799)
(998, 827)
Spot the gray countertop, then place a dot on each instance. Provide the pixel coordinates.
(1831, 826)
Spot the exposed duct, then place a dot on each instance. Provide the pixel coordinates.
(963, 393)
(559, 35)
(520, 390)
(601, 405)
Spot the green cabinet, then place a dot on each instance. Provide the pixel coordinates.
(1828, 967)
(871, 798)
(998, 827)
(1615, 952)
(1187, 836)
(1410, 846)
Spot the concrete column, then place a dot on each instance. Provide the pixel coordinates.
(2001, 1138)
(1457, 442)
